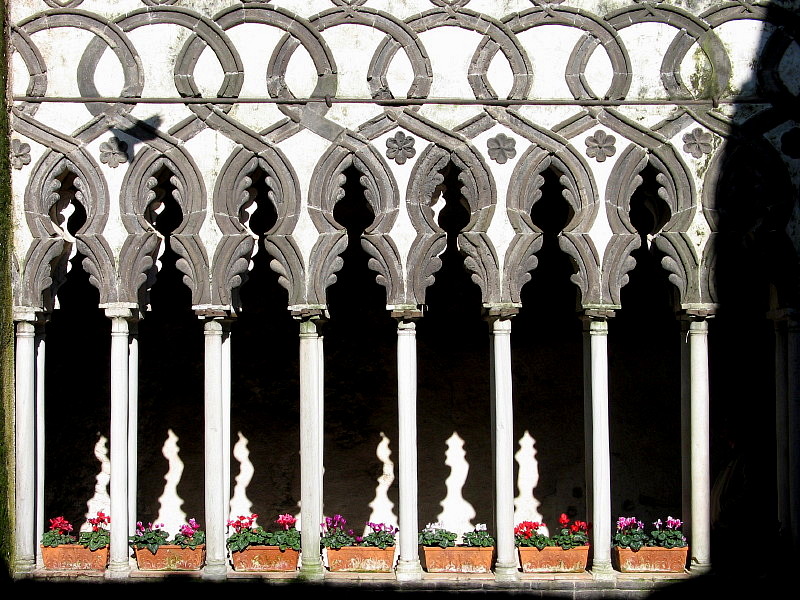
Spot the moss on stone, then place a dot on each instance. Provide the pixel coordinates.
(6, 327)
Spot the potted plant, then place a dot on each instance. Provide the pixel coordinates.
(565, 552)
(441, 554)
(155, 552)
(662, 550)
(346, 551)
(255, 549)
(62, 551)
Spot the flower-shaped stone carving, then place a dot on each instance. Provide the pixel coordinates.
(501, 148)
(113, 152)
(698, 142)
(600, 146)
(400, 147)
(20, 154)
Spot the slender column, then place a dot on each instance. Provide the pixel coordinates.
(40, 365)
(25, 465)
(599, 447)
(118, 566)
(793, 433)
(226, 416)
(782, 426)
(686, 450)
(321, 418)
(133, 423)
(216, 558)
(310, 461)
(503, 412)
(700, 546)
(408, 564)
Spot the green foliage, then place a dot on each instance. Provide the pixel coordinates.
(94, 540)
(59, 533)
(334, 535)
(631, 534)
(382, 536)
(527, 534)
(150, 537)
(570, 534)
(477, 537)
(193, 541)
(284, 538)
(435, 534)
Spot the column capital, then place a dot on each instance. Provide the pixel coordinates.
(121, 311)
(213, 312)
(784, 314)
(698, 313)
(500, 311)
(406, 312)
(598, 313)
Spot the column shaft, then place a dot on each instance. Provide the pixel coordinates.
(506, 563)
(118, 548)
(133, 424)
(40, 366)
(310, 460)
(700, 542)
(408, 564)
(600, 449)
(216, 556)
(782, 427)
(25, 451)
(686, 443)
(793, 433)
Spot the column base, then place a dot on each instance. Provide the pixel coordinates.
(23, 567)
(603, 571)
(312, 570)
(408, 570)
(506, 572)
(215, 571)
(699, 568)
(118, 570)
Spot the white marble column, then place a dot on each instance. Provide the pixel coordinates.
(310, 460)
(408, 564)
(118, 565)
(216, 552)
(503, 420)
(133, 423)
(793, 433)
(40, 342)
(226, 416)
(686, 436)
(596, 337)
(700, 542)
(25, 446)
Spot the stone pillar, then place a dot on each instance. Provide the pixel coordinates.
(700, 542)
(408, 564)
(216, 554)
(310, 459)
(597, 444)
(503, 429)
(118, 565)
(686, 449)
(133, 423)
(40, 366)
(25, 445)
(226, 416)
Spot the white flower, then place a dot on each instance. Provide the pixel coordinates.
(480, 527)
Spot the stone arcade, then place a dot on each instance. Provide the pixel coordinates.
(175, 140)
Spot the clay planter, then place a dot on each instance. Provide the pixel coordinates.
(553, 559)
(265, 558)
(650, 559)
(171, 558)
(457, 559)
(71, 557)
(363, 559)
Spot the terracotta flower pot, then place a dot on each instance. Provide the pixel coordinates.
(553, 559)
(265, 558)
(365, 559)
(70, 557)
(650, 559)
(457, 559)
(171, 558)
